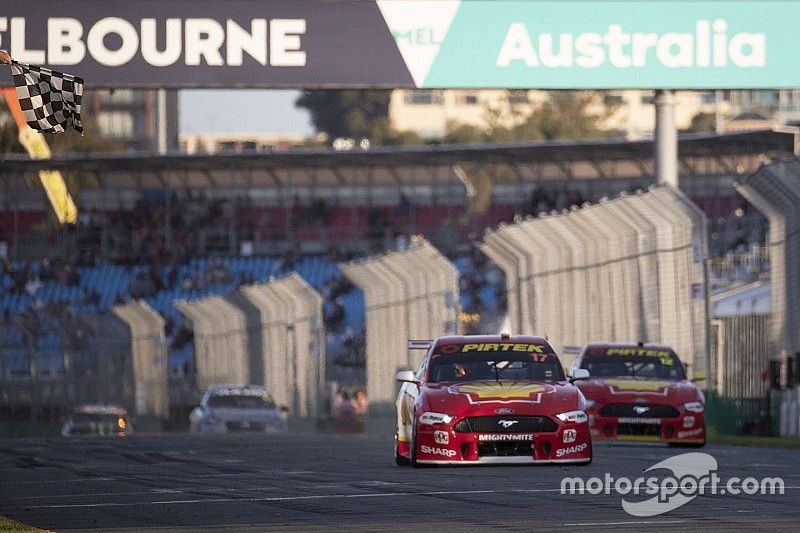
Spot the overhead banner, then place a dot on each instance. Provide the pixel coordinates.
(565, 44)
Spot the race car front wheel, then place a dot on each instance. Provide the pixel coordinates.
(413, 451)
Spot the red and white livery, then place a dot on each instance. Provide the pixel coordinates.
(490, 399)
(640, 392)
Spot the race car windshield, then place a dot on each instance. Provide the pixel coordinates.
(496, 365)
(241, 401)
(665, 366)
(101, 424)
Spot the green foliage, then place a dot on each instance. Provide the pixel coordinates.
(69, 142)
(564, 115)
(9, 142)
(703, 122)
(352, 113)
(355, 114)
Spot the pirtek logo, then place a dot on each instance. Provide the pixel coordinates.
(507, 423)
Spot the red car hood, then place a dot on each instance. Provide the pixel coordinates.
(484, 398)
(611, 390)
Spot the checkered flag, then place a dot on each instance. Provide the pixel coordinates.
(50, 100)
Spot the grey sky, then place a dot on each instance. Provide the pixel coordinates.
(241, 111)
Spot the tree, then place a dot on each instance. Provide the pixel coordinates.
(703, 122)
(351, 113)
(61, 143)
(564, 115)
(355, 114)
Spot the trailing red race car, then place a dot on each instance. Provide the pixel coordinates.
(640, 392)
(490, 399)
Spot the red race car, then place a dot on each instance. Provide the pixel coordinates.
(640, 392)
(490, 399)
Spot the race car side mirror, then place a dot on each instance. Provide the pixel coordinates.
(578, 374)
(698, 376)
(407, 376)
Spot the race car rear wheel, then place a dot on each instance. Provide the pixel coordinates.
(399, 460)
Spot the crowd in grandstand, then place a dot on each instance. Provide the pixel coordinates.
(170, 247)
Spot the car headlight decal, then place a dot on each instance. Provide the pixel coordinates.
(577, 416)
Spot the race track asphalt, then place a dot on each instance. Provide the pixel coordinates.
(308, 481)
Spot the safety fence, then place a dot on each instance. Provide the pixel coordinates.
(269, 334)
(408, 294)
(627, 269)
(51, 361)
(775, 191)
(132, 347)
(740, 345)
(286, 342)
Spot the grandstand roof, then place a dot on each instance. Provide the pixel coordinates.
(704, 154)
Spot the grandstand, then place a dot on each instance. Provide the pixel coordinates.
(182, 228)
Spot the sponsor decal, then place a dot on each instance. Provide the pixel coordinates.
(437, 451)
(505, 437)
(617, 385)
(636, 420)
(570, 435)
(688, 421)
(690, 433)
(640, 409)
(434, 418)
(507, 423)
(441, 437)
(501, 391)
(561, 452)
(504, 347)
(504, 411)
(667, 358)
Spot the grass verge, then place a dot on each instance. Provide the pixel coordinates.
(10, 526)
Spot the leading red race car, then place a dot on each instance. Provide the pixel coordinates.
(640, 392)
(490, 399)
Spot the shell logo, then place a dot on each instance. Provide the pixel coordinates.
(641, 386)
(492, 390)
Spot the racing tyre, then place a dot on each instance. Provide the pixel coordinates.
(413, 452)
(399, 460)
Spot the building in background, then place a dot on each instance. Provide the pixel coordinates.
(130, 116)
(235, 143)
(630, 113)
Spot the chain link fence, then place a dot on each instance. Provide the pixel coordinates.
(775, 191)
(269, 334)
(408, 294)
(627, 269)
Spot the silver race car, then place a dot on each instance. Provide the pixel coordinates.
(237, 408)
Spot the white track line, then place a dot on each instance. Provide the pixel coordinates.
(651, 522)
(298, 498)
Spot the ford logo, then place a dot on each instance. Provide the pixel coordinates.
(504, 411)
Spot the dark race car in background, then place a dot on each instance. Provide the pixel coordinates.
(640, 392)
(490, 399)
(97, 419)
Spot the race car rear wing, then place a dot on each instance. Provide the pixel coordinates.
(419, 344)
